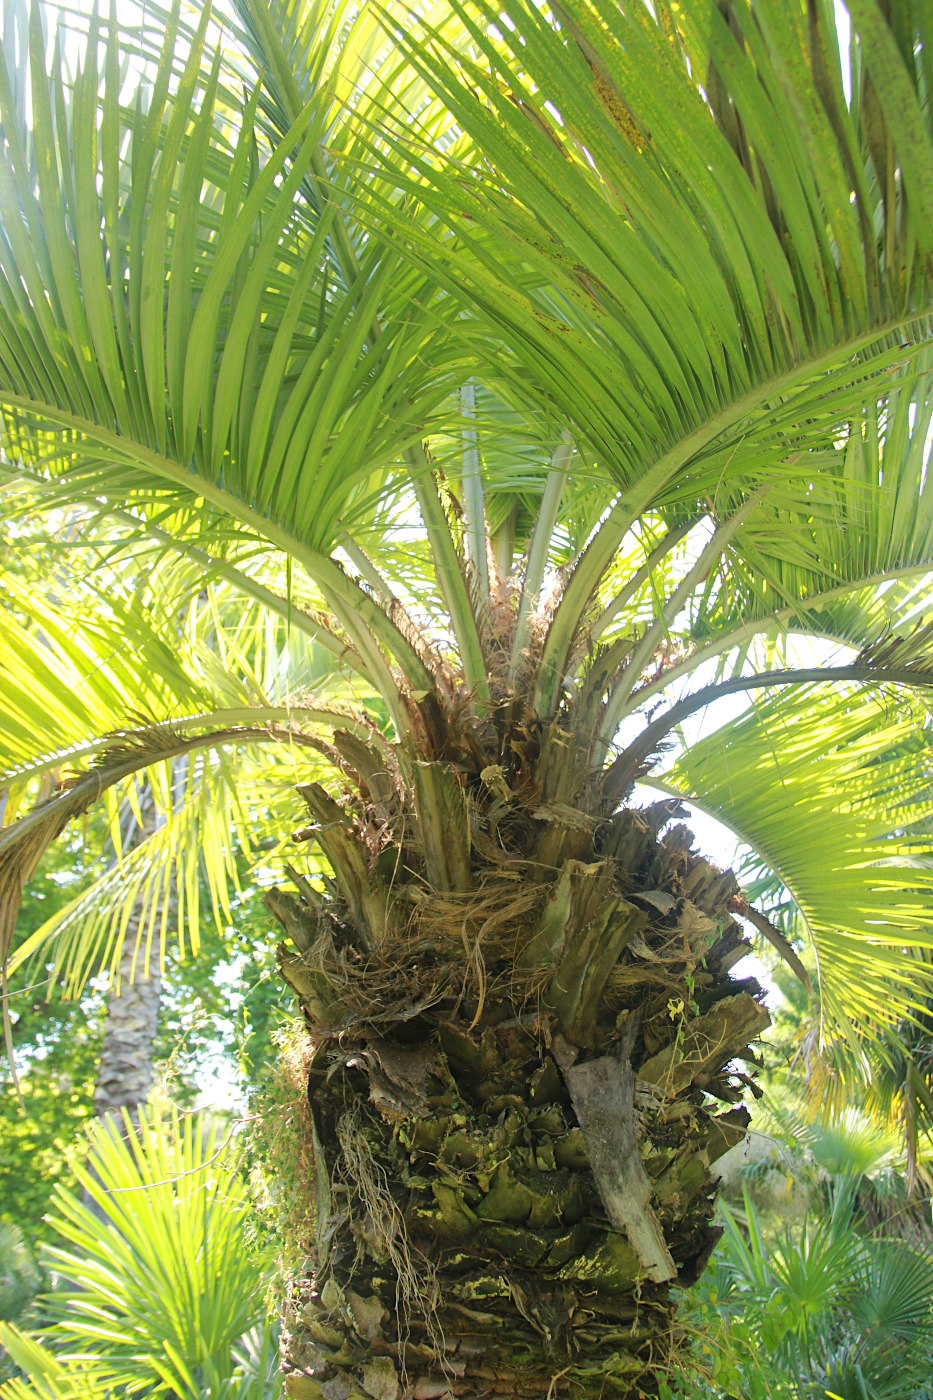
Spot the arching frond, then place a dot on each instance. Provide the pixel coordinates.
(704, 242)
(832, 790)
(226, 688)
(220, 817)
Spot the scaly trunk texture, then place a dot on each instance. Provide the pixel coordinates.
(526, 1055)
(124, 1074)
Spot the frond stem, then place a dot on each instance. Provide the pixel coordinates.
(474, 506)
(669, 543)
(450, 577)
(548, 511)
(241, 716)
(621, 774)
(779, 621)
(649, 642)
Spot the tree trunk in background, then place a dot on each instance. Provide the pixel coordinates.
(124, 1076)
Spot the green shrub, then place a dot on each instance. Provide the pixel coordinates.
(162, 1295)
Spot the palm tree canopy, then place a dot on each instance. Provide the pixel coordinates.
(576, 351)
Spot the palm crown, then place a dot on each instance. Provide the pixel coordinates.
(453, 390)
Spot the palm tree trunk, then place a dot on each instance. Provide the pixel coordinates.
(525, 1054)
(124, 1075)
(125, 1072)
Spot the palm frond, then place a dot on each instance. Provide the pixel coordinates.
(161, 1291)
(727, 295)
(123, 756)
(224, 367)
(218, 818)
(832, 791)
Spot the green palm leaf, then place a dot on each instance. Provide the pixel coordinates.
(714, 232)
(162, 1290)
(832, 791)
(226, 715)
(236, 290)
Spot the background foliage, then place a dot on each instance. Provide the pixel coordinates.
(158, 1291)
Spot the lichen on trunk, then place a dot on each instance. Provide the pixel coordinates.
(526, 1053)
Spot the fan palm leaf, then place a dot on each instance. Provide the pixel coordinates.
(162, 1291)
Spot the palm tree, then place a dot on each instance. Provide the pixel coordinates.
(824, 1308)
(164, 1295)
(544, 373)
